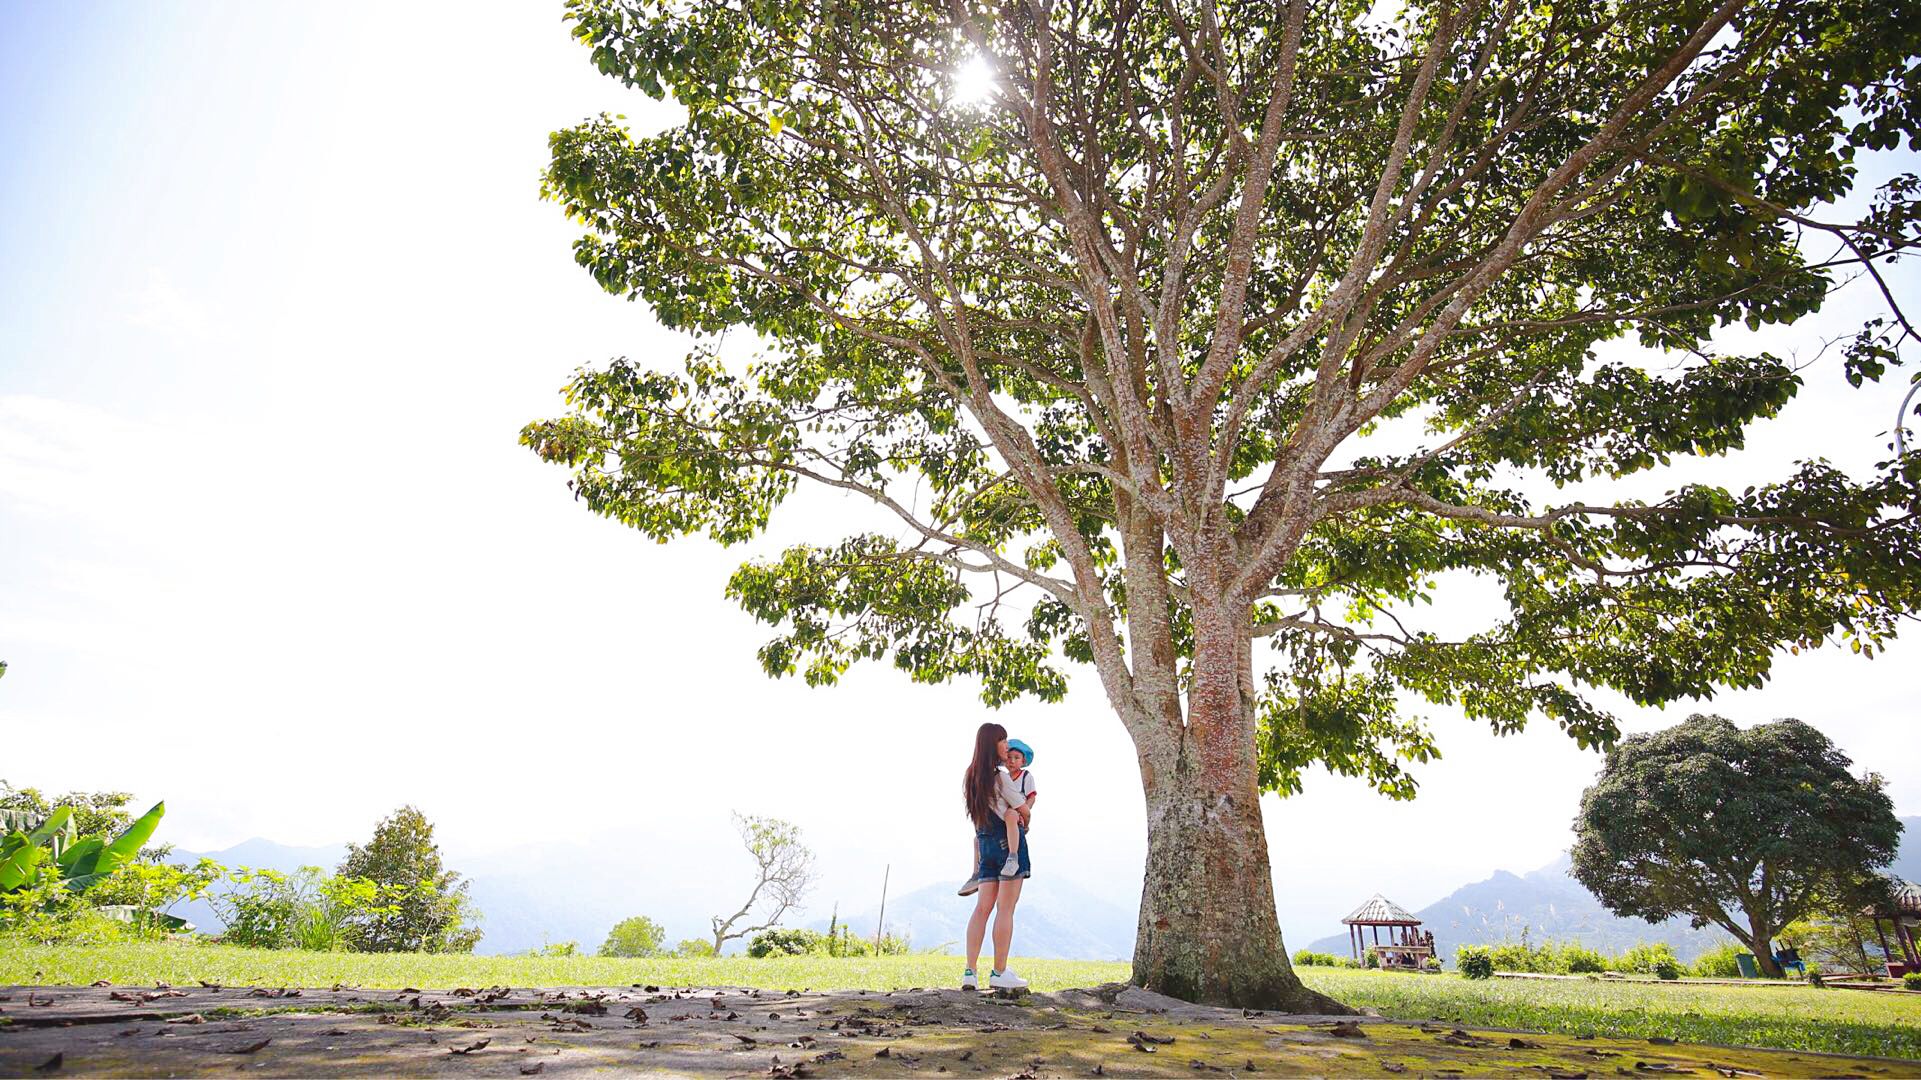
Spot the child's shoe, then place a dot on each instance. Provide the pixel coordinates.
(969, 980)
(970, 886)
(1012, 868)
(1006, 980)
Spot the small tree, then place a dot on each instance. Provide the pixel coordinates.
(428, 903)
(786, 873)
(1747, 830)
(638, 936)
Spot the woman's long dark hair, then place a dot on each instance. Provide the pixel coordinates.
(977, 786)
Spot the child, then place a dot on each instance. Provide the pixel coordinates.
(1015, 796)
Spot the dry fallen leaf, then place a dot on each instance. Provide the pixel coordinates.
(251, 1048)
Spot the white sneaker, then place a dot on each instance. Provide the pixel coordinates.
(1012, 868)
(970, 981)
(970, 886)
(1006, 980)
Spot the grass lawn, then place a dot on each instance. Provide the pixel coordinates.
(1792, 1018)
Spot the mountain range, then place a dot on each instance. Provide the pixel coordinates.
(519, 896)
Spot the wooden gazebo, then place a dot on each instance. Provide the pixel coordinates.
(1406, 944)
(1903, 913)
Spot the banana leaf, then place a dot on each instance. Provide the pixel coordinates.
(89, 860)
(19, 861)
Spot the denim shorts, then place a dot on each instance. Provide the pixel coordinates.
(990, 851)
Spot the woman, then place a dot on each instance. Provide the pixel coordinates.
(985, 806)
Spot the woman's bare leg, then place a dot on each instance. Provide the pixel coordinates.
(1013, 820)
(1010, 894)
(977, 922)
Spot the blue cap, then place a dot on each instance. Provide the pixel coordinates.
(1026, 750)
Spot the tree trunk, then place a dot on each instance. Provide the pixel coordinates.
(1208, 931)
(1763, 946)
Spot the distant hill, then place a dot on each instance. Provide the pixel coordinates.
(1055, 919)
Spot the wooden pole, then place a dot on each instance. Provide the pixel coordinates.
(882, 921)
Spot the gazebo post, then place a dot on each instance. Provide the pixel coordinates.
(1886, 953)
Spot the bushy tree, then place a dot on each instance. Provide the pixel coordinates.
(1745, 829)
(636, 936)
(429, 905)
(1208, 336)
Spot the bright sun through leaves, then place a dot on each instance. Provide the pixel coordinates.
(974, 81)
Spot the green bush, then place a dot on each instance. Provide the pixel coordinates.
(1371, 958)
(304, 910)
(1577, 959)
(1667, 969)
(1719, 962)
(1645, 958)
(785, 941)
(1305, 958)
(694, 947)
(1911, 981)
(1474, 961)
(635, 936)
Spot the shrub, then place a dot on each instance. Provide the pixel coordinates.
(559, 948)
(303, 910)
(1911, 981)
(1643, 958)
(1474, 962)
(783, 941)
(1371, 958)
(1667, 969)
(694, 947)
(1577, 959)
(635, 936)
(1314, 959)
(1719, 962)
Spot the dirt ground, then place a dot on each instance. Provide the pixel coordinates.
(665, 1031)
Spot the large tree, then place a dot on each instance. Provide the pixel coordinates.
(1134, 312)
(1748, 830)
(424, 906)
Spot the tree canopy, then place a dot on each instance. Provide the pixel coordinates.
(1746, 829)
(427, 909)
(1176, 260)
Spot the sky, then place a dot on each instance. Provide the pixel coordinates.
(277, 295)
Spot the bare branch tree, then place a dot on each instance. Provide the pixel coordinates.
(786, 874)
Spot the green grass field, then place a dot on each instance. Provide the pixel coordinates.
(1794, 1018)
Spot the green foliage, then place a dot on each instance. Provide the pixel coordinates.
(1911, 980)
(785, 941)
(694, 948)
(55, 847)
(1645, 958)
(1304, 958)
(1474, 962)
(1075, 354)
(1371, 958)
(555, 949)
(1719, 962)
(634, 936)
(424, 906)
(308, 909)
(1667, 969)
(1742, 829)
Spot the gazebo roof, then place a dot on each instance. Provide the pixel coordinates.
(1380, 911)
(1907, 900)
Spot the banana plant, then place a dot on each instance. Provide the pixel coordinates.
(51, 847)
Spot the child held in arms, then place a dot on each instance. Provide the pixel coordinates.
(1015, 795)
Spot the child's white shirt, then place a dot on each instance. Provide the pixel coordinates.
(1011, 794)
